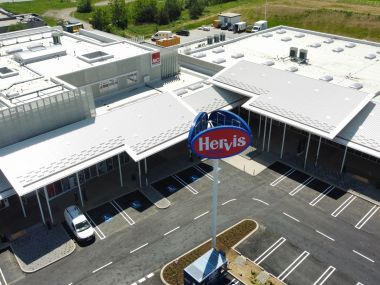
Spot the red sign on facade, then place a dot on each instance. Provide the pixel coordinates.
(156, 58)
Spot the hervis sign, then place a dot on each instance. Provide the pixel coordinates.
(219, 135)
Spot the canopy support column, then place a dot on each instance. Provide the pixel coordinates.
(344, 160)
(259, 126)
(283, 141)
(48, 204)
(270, 133)
(319, 147)
(239, 110)
(22, 206)
(139, 166)
(307, 150)
(146, 172)
(79, 190)
(265, 128)
(249, 118)
(41, 211)
(120, 173)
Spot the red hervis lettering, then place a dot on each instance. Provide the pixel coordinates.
(207, 144)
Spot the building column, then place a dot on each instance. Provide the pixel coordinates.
(239, 110)
(22, 206)
(79, 190)
(249, 118)
(48, 204)
(139, 166)
(146, 172)
(344, 160)
(319, 147)
(120, 173)
(265, 128)
(259, 126)
(270, 133)
(41, 211)
(283, 141)
(307, 150)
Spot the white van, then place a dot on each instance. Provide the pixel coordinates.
(78, 223)
(260, 25)
(161, 35)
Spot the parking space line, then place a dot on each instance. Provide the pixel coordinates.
(325, 275)
(362, 255)
(101, 267)
(326, 236)
(141, 280)
(3, 277)
(359, 283)
(122, 212)
(366, 217)
(293, 266)
(209, 176)
(183, 183)
(343, 206)
(228, 201)
(140, 247)
(169, 232)
(321, 195)
(282, 177)
(150, 275)
(270, 250)
(293, 218)
(301, 186)
(98, 232)
(261, 201)
(201, 215)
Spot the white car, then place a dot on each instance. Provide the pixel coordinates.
(204, 28)
(79, 224)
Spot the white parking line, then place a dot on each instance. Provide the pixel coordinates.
(366, 217)
(325, 275)
(359, 283)
(343, 206)
(293, 266)
(140, 247)
(169, 232)
(261, 201)
(122, 212)
(362, 255)
(234, 282)
(150, 275)
(301, 186)
(228, 201)
(141, 280)
(291, 217)
(282, 177)
(3, 277)
(270, 250)
(322, 195)
(101, 267)
(326, 236)
(188, 187)
(209, 176)
(201, 215)
(98, 232)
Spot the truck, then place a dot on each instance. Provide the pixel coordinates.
(260, 25)
(240, 27)
(161, 35)
(71, 26)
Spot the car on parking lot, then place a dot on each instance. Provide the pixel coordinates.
(225, 26)
(249, 29)
(183, 33)
(204, 28)
(79, 224)
(136, 204)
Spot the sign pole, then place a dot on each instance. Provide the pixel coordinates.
(214, 208)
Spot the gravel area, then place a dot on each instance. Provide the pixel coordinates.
(41, 247)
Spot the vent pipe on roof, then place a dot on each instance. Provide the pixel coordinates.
(56, 38)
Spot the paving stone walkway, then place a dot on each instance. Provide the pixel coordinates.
(40, 247)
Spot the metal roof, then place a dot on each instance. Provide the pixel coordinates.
(141, 128)
(302, 102)
(229, 15)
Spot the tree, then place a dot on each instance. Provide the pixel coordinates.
(145, 11)
(162, 16)
(196, 8)
(101, 19)
(84, 6)
(119, 13)
(173, 8)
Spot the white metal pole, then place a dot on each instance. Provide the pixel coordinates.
(146, 172)
(265, 9)
(48, 204)
(22, 206)
(319, 147)
(41, 211)
(265, 129)
(307, 150)
(283, 141)
(260, 126)
(79, 190)
(239, 110)
(344, 159)
(138, 163)
(269, 135)
(214, 209)
(120, 173)
(249, 117)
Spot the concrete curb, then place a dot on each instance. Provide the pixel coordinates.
(257, 226)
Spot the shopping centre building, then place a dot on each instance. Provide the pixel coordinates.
(76, 106)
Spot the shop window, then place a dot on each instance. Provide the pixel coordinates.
(50, 190)
(102, 167)
(109, 164)
(93, 171)
(4, 204)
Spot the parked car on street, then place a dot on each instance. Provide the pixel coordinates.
(79, 224)
(204, 28)
(249, 29)
(225, 26)
(183, 33)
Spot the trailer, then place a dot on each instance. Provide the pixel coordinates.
(229, 18)
(240, 27)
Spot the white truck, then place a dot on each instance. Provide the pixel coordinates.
(240, 27)
(161, 35)
(260, 25)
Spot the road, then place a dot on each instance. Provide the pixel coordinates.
(332, 248)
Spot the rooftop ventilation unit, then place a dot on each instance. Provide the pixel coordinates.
(36, 46)
(286, 39)
(315, 45)
(370, 56)
(280, 32)
(56, 38)
(302, 58)
(356, 85)
(268, 35)
(7, 72)
(237, 55)
(218, 50)
(199, 55)
(326, 78)
(27, 57)
(338, 49)
(180, 92)
(95, 56)
(292, 69)
(299, 35)
(195, 86)
(293, 53)
(328, 41)
(268, 63)
(350, 45)
(219, 60)
(13, 50)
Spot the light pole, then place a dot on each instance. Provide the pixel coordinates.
(265, 9)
